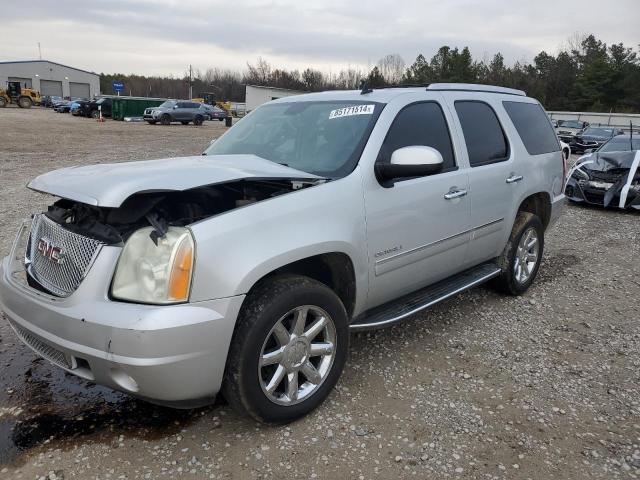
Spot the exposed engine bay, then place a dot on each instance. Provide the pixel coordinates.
(170, 208)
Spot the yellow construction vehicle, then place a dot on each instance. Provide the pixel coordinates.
(22, 96)
(210, 98)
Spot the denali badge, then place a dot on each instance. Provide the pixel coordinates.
(49, 251)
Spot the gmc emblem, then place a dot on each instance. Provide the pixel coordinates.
(49, 251)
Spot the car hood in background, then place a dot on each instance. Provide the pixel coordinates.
(108, 185)
(604, 162)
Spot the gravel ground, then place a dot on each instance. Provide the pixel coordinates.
(483, 386)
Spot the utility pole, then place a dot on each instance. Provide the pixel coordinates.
(190, 82)
(39, 52)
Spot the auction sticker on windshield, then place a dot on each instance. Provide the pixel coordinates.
(354, 110)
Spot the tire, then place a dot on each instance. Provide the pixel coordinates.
(25, 102)
(3, 102)
(95, 114)
(511, 280)
(198, 120)
(165, 119)
(151, 122)
(221, 119)
(185, 123)
(275, 302)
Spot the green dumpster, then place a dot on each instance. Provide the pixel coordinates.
(132, 106)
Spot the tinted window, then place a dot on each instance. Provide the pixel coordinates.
(483, 135)
(534, 128)
(183, 104)
(419, 124)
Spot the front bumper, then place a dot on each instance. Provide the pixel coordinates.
(594, 193)
(173, 354)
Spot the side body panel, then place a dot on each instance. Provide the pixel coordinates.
(236, 249)
(415, 236)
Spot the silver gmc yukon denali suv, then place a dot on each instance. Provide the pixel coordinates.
(244, 270)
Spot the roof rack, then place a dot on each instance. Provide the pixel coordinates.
(474, 87)
(461, 87)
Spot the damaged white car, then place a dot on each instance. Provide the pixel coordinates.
(608, 179)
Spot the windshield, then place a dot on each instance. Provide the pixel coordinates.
(600, 132)
(167, 104)
(570, 124)
(620, 144)
(323, 138)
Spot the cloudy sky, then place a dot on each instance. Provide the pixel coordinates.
(164, 37)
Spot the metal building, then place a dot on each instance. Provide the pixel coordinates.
(51, 78)
(256, 95)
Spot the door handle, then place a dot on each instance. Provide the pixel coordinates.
(451, 194)
(514, 178)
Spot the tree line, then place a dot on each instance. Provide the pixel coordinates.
(585, 75)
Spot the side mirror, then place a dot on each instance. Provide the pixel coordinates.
(407, 162)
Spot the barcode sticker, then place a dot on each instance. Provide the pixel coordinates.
(354, 110)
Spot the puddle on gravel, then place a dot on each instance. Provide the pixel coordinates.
(40, 402)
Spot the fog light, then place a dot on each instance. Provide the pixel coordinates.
(124, 380)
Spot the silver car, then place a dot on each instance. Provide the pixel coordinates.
(171, 111)
(245, 269)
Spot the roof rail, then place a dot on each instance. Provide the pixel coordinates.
(474, 87)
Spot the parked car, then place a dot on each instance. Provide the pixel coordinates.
(59, 102)
(182, 111)
(67, 105)
(92, 108)
(245, 269)
(76, 107)
(48, 100)
(607, 178)
(620, 143)
(567, 129)
(213, 112)
(592, 138)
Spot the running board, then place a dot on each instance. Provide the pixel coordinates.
(399, 309)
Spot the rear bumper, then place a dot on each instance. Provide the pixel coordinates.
(557, 209)
(166, 354)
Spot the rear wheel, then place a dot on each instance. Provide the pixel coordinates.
(185, 123)
(3, 102)
(521, 258)
(288, 350)
(165, 119)
(25, 102)
(95, 114)
(198, 120)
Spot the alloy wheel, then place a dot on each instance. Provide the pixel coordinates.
(297, 355)
(527, 255)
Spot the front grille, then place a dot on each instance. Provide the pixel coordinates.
(52, 354)
(62, 272)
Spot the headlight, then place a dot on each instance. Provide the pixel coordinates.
(151, 273)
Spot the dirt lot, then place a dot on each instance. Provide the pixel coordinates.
(483, 386)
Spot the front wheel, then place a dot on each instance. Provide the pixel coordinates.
(288, 350)
(165, 119)
(198, 120)
(3, 102)
(95, 114)
(521, 258)
(25, 102)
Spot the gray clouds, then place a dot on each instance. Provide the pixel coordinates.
(162, 37)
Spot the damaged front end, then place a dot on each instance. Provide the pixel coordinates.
(66, 238)
(609, 179)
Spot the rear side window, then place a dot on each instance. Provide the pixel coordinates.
(483, 134)
(419, 124)
(533, 126)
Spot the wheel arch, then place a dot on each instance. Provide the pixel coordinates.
(539, 204)
(334, 269)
